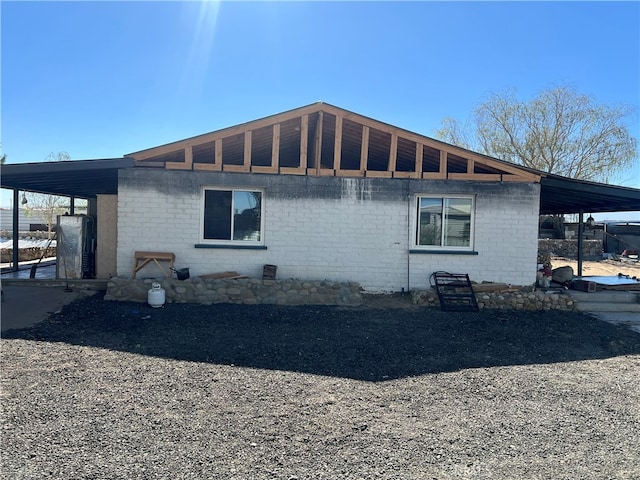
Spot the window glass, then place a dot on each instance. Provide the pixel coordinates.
(217, 215)
(457, 229)
(430, 221)
(246, 215)
(444, 221)
(232, 215)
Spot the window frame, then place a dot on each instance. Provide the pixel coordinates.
(204, 242)
(418, 248)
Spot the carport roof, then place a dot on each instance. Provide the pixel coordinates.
(78, 178)
(562, 195)
(87, 178)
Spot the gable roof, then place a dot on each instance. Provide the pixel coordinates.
(322, 139)
(276, 144)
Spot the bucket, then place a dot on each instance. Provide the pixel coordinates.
(269, 272)
(181, 273)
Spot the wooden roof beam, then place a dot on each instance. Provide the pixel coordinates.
(226, 132)
(275, 153)
(186, 165)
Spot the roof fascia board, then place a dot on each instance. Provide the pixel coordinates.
(586, 186)
(35, 168)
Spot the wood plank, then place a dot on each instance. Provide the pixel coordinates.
(263, 169)
(225, 275)
(186, 165)
(188, 156)
(322, 172)
(304, 140)
(443, 163)
(406, 175)
(275, 146)
(393, 153)
(142, 259)
(470, 165)
(294, 170)
(364, 148)
(390, 129)
(318, 152)
(319, 107)
(210, 167)
(482, 177)
(234, 168)
(218, 157)
(247, 150)
(227, 132)
(419, 154)
(337, 150)
(177, 166)
(157, 255)
(349, 173)
(434, 176)
(163, 150)
(515, 178)
(378, 174)
(433, 143)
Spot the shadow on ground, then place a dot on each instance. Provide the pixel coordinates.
(358, 343)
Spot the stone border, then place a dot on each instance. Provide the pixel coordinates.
(517, 300)
(247, 291)
(252, 291)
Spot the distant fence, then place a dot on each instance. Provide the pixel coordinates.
(591, 249)
(26, 254)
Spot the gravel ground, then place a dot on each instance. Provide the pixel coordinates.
(109, 390)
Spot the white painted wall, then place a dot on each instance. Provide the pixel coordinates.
(506, 240)
(352, 236)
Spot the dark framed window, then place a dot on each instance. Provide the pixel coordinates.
(233, 216)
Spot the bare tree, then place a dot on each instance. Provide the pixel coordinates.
(48, 207)
(57, 157)
(559, 131)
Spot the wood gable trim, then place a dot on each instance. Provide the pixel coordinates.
(364, 148)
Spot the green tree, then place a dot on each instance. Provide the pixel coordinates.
(559, 131)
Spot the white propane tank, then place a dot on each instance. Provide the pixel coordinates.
(155, 296)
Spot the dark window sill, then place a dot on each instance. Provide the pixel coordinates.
(443, 252)
(235, 247)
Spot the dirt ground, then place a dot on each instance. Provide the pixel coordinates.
(600, 267)
(118, 390)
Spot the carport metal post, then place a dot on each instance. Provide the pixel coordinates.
(580, 233)
(15, 253)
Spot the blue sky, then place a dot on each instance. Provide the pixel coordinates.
(103, 79)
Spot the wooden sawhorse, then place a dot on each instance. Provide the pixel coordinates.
(144, 258)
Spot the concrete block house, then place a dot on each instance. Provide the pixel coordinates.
(324, 193)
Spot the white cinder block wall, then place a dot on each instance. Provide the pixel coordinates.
(334, 228)
(505, 238)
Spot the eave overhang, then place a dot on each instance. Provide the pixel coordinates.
(76, 178)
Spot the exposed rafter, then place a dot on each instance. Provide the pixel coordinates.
(321, 139)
